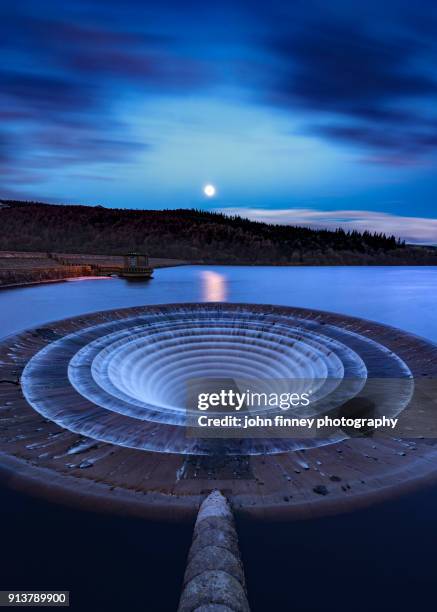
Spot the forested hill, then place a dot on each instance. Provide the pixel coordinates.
(192, 235)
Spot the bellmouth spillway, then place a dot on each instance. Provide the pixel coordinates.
(107, 392)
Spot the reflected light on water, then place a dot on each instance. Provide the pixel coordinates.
(214, 286)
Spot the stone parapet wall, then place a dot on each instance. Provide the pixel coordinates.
(12, 277)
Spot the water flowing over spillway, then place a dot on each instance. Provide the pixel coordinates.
(135, 373)
(103, 406)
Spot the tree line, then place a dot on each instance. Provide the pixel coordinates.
(193, 235)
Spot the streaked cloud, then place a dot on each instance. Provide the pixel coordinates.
(418, 230)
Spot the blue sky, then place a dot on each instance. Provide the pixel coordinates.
(305, 112)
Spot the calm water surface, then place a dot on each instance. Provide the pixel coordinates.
(401, 296)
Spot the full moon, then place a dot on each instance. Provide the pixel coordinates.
(209, 191)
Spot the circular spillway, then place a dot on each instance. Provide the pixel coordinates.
(135, 373)
(108, 392)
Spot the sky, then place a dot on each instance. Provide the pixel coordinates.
(305, 112)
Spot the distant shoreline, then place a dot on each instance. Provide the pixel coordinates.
(20, 269)
(161, 263)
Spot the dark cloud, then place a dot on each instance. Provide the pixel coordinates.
(43, 92)
(346, 70)
(63, 76)
(143, 58)
(401, 140)
(370, 89)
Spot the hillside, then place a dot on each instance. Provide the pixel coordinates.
(193, 235)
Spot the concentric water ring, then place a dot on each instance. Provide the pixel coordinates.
(122, 379)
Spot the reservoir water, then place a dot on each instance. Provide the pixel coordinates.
(401, 296)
